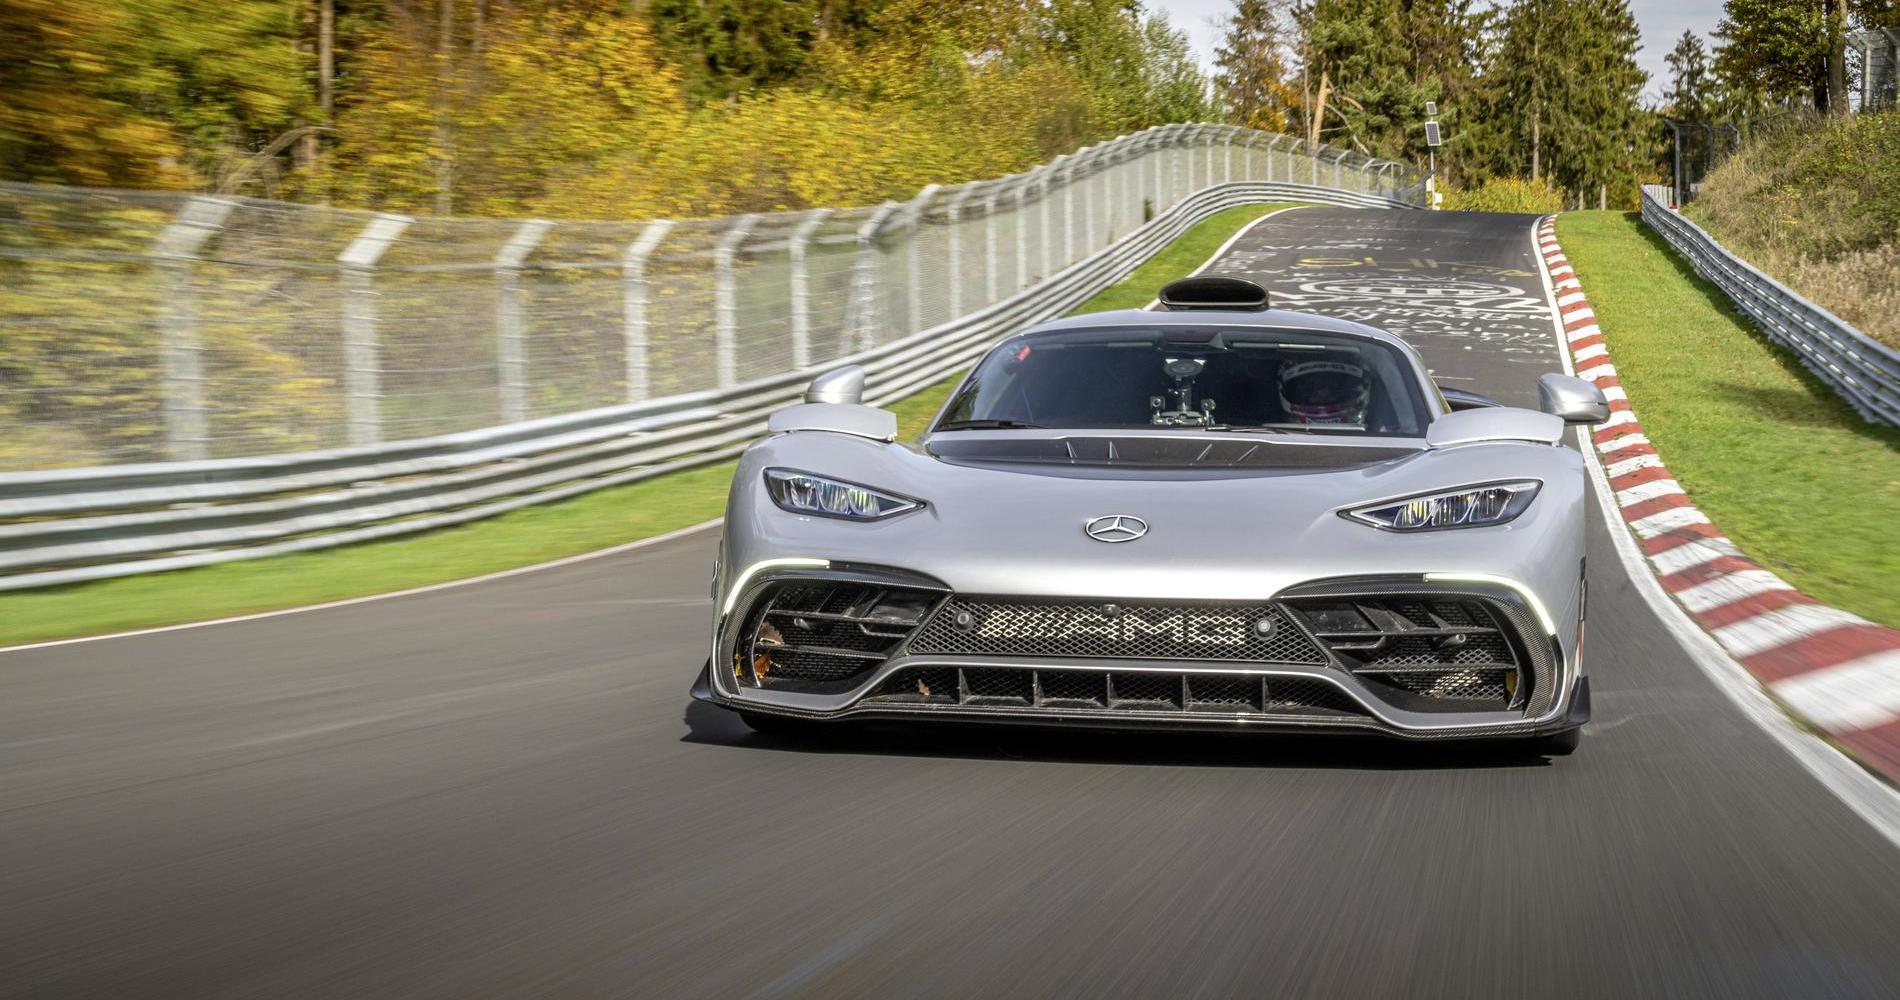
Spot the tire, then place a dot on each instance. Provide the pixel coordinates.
(1559, 744)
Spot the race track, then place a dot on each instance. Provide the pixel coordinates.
(504, 789)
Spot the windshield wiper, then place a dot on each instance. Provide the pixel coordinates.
(986, 425)
(1260, 428)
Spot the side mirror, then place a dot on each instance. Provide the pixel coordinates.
(839, 385)
(1573, 399)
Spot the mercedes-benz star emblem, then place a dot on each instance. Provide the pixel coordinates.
(1116, 528)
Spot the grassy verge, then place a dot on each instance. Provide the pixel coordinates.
(1780, 463)
(520, 538)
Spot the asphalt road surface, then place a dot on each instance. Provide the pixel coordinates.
(504, 789)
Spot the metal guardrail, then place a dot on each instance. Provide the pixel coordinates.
(1860, 369)
(61, 526)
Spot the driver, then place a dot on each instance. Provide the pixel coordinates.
(1324, 392)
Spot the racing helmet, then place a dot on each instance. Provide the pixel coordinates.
(1324, 392)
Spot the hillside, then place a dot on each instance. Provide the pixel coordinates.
(1818, 207)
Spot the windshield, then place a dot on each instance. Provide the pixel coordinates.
(1219, 379)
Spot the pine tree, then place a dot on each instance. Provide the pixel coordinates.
(1250, 75)
(1690, 96)
(1369, 66)
(1561, 105)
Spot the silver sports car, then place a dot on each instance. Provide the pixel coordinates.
(1212, 515)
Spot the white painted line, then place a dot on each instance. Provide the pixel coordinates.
(1586, 330)
(1617, 417)
(1596, 372)
(411, 592)
(1570, 283)
(1615, 392)
(1592, 351)
(1868, 796)
(1648, 491)
(1625, 441)
(1859, 694)
(1729, 588)
(1689, 555)
(1668, 520)
(1584, 312)
(1618, 470)
(1777, 628)
(1564, 301)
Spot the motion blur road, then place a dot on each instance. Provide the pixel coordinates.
(503, 789)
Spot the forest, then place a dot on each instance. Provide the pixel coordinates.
(641, 108)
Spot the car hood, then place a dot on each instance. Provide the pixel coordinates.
(1015, 526)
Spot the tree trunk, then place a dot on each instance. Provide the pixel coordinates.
(1537, 110)
(1536, 137)
(1319, 109)
(444, 158)
(1836, 57)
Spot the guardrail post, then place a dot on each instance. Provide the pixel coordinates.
(955, 216)
(1068, 211)
(362, 368)
(1175, 168)
(1091, 215)
(1020, 188)
(914, 260)
(181, 352)
(1205, 134)
(801, 287)
(990, 276)
(633, 305)
(1336, 161)
(866, 277)
(511, 358)
(726, 301)
(1042, 205)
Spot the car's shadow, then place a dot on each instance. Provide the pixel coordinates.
(707, 724)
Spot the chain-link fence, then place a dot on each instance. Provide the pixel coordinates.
(150, 326)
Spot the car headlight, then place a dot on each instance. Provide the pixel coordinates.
(804, 493)
(1471, 507)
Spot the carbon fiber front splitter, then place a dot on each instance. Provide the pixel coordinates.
(1578, 714)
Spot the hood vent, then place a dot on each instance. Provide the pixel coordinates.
(1222, 294)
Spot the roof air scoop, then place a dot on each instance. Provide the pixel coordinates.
(1225, 294)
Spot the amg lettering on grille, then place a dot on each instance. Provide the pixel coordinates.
(1220, 630)
(1004, 627)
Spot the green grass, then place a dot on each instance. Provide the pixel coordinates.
(531, 535)
(1782, 465)
(1175, 260)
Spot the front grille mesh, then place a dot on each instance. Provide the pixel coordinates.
(1096, 690)
(1420, 651)
(821, 635)
(1217, 632)
(1449, 652)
